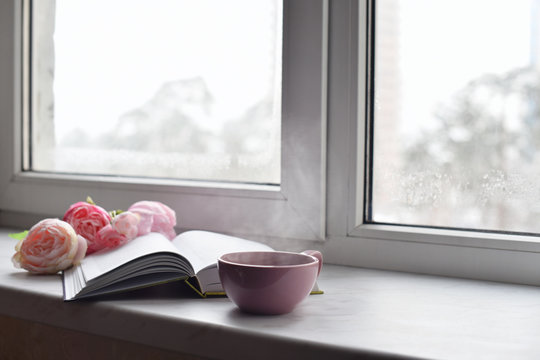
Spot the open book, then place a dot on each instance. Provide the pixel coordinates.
(153, 259)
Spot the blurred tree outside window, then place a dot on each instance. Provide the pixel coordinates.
(169, 89)
(456, 114)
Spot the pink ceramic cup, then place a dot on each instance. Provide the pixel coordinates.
(269, 282)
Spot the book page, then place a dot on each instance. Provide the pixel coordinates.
(203, 248)
(72, 282)
(98, 264)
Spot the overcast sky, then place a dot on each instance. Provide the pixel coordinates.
(113, 56)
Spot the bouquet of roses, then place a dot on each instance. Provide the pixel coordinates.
(53, 245)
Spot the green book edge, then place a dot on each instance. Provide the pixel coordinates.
(222, 293)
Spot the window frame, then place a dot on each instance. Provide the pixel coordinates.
(359, 227)
(295, 209)
(352, 241)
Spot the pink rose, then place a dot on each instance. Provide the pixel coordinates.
(155, 217)
(108, 238)
(87, 219)
(50, 246)
(126, 223)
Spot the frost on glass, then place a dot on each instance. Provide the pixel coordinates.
(457, 114)
(169, 89)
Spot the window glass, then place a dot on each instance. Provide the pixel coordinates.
(170, 88)
(456, 114)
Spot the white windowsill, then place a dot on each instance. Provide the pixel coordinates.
(363, 312)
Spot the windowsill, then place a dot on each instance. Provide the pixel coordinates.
(363, 312)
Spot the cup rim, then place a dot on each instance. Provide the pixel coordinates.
(229, 262)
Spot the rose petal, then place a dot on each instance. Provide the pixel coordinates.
(82, 246)
(108, 238)
(126, 224)
(155, 217)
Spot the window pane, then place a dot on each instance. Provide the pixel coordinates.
(457, 114)
(169, 88)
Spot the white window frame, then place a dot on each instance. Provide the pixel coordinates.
(295, 209)
(309, 205)
(351, 241)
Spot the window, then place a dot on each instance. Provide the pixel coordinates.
(290, 207)
(174, 89)
(354, 238)
(456, 115)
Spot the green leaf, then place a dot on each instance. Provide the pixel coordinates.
(19, 236)
(113, 213)
(90, 201)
